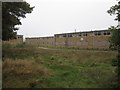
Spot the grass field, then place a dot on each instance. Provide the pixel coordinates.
(27, 67)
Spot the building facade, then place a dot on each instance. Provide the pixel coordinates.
(18, 40)
(88, 39)
(40, 41)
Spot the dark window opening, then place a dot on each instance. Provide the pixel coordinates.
(56, 36)
(64, 35)
(97, 33)
(79, 35)
(70, 35)
(106, 33)
(85, 34)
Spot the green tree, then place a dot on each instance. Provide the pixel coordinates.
(12, 12)
(115, 38)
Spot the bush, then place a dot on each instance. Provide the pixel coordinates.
(114, 62)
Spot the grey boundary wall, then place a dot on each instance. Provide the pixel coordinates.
(1, 36)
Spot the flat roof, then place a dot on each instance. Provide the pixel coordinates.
(19, 35)
(66, 33)
(81, 32)
(40, 37)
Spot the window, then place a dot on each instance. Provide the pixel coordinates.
(64, 35)
(97, 33)
(79, 35)
(56, 36)
(85, 34)
(106, 33)
(60, 36)
(73, 35)
(19, 37)
(91, 34)
(69, 35)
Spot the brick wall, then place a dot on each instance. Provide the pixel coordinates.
(13, 41)
(40, 41)
(92, 40)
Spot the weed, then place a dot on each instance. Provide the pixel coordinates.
(35, 68)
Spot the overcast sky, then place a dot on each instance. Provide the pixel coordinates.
(51, 17)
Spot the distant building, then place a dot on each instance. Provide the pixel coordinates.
(87, 39)
(40, 41)
(19, 37)
(18, 40)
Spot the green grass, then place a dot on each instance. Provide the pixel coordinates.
(26, 67)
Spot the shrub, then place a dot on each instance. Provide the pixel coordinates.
(114, 62)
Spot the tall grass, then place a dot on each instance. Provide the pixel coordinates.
(18, 51)
(34, 67)
(22, 70)
(23, 67)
